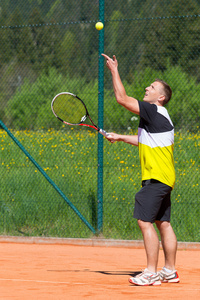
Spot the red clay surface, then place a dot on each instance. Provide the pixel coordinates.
(45, 271)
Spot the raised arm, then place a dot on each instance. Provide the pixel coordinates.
(122, 98)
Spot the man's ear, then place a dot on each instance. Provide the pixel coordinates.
(161, 99)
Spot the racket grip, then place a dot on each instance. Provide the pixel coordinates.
(103, 132)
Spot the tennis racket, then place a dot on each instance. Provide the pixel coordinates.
(71, 110)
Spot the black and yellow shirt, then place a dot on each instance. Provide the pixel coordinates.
(156, 143)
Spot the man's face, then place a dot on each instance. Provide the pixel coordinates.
(153, 92)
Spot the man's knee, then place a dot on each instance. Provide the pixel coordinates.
(144, 225)
(162, 224)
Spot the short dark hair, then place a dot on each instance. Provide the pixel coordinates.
(167, 90)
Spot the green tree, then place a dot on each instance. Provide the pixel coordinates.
(46, 42)
(5, 47)
(174, 39)
(20, 40)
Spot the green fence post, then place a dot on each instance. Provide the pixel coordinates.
(100, 120)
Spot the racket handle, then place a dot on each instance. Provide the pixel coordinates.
(103, 132)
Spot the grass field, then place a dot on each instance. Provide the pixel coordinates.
(30, 206)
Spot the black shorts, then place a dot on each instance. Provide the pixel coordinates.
(153, 202)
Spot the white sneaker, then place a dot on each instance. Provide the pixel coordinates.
(146, 278)
(169, 277)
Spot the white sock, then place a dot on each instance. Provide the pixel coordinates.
(167, 270)
(151, 272)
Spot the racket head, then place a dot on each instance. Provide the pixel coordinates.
(69, 108)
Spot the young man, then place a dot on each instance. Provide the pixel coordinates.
(152, 203)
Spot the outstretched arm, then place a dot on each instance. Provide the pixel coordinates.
(129, 139)
(119, 90)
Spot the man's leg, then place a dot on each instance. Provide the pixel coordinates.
(151, 244)
(169, 243)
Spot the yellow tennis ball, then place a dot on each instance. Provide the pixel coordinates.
(99, 25)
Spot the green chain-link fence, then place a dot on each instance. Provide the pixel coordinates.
(68, 182)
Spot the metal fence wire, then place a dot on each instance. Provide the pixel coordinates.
(68, 181)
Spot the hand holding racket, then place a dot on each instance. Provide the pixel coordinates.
(71, 110)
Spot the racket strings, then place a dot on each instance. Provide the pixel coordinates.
(70, 109)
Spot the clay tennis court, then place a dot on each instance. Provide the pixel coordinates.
(34, 268)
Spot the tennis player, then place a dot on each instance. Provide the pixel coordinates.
(155, 140)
